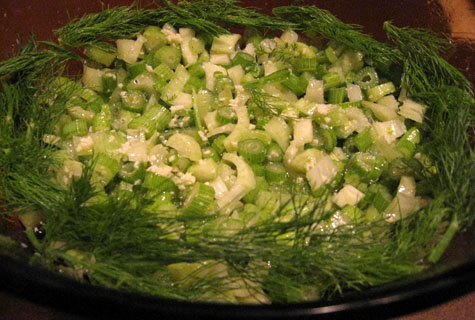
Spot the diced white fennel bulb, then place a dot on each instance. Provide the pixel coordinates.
(270, 67)
(219, 187)
(279, 131)
(338, 154)
(210, 120)
(314, 92)
(355, 114)
(381, 112)
(129, 50)
(348, 195)
(189, 56)
(225, 128)
(389, 101)
(322, 173)
(303, 131)
(185, 145)
(176, 84)
(219, 59)
(244, 183)
(250, 49)
(353, 91)
(306, 160)
(243, 121)
(289, 36)
(92, 78)
(225, 43)
(407, 186)
(401, 206)
(389, 130)
(405, 202)
(183, 99)
(210, 69)
(412, 110)
(236, 73)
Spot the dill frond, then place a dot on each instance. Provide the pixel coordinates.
(311, 18)
(423, 67)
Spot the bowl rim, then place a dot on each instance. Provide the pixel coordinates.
(73, 297)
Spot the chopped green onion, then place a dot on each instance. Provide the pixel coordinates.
(363, 140)
(77, 127)
(168, 55)
(199, 198)
(155, 38)
(328, 137)
(225, 115)
(253, 150)
(131, 172)
(331, 80)
(275, 172)
(366, 78)
(336, 95)
(305, 65)
(133, 100)
(274, 153)
(407, 144)
(379, 91)
(157, 182)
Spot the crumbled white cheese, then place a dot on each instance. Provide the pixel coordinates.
(162, 170)
(323, 108)
(183, 179)
(171, 34)
(202, 135)
(174, 109)
(85, 143)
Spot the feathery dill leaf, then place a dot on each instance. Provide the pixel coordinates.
(311, 18)
(114, 23)
(447, 142)
(32, 62)
(423, 67)
(230, 13)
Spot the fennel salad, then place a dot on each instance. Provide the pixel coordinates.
(194, 163)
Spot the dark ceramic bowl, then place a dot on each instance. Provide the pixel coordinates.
(452, 277)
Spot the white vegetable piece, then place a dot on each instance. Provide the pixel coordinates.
(389, 130)
(348, 195)
(185, 145)
(210, 69)
(245, 180)
(323, 172)
(412, 110)
(129, 50)
(303, 131)
(279, 130)
(353, 91)
(225, 43)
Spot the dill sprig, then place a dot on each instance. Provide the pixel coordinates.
(32, 62)
(423, 67)
(113, 23)
(450, 119)
(230, 13)
(311, 18)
